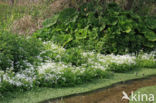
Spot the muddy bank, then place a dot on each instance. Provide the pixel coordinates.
(111, 94)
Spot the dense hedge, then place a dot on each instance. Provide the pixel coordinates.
(110, 30)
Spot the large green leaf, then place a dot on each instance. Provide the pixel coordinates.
(81, 33)
(68, 38)
(67, 15)
(102, 27)
(128, 29)
(92, 19)
(150, 45)
(51, 21)
(151, 22)
(150, 35)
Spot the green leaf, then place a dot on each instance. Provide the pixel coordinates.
(102, 27)
(150, 45)
(67, 14)
(51, 21)
(151, 22)
(150, 35)
(128, 29)
(69, 38)
(81, 33)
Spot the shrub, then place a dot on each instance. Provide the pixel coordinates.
(18, 52)
(111, 31)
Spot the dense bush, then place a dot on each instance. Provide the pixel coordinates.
(18, 52)
(110, 30)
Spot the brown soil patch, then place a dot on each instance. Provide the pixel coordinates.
(26, 25)
(112, 94)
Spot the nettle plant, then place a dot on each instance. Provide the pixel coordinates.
(106, 30)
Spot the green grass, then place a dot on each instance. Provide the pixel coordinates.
(8, 13)
(146, 90)
(41, 94)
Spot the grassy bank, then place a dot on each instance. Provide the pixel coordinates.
(19, 18)
(146, 90)
(41, 94)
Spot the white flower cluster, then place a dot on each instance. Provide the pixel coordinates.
(52, 46)
(148, 56)
(23, 78)
(147, 59)
(103, 61)
(51, 72)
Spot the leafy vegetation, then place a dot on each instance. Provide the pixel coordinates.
(42, 93)
(11, 15)
(74, 56)
(111, 31)
(17, 52)
(146, 60)
(78, 45)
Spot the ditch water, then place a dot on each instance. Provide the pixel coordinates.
(111, 94)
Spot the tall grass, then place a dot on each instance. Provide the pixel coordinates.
(10, 13)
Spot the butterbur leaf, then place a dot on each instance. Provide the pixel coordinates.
(114, 22)
(151, 23)
(51, 21)
(128, 29)
(117, 29)
(150, 45)
(122, 20)
(81, 33)
(93, 34)
(68, 39)
(74, 18)
(102, 27)
(92, 19)
(150, 35)
(67, 14)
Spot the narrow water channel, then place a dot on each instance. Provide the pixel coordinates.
(112, 94)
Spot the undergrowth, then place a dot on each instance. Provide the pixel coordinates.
(107, 31)
(78, 45)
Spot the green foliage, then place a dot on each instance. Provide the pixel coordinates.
(10, 13)
(143, 7)
(121, 68)
(74, 57)
(70, 78)
(146, 60)
(111, 31)
(18, 52)
(90, 27)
